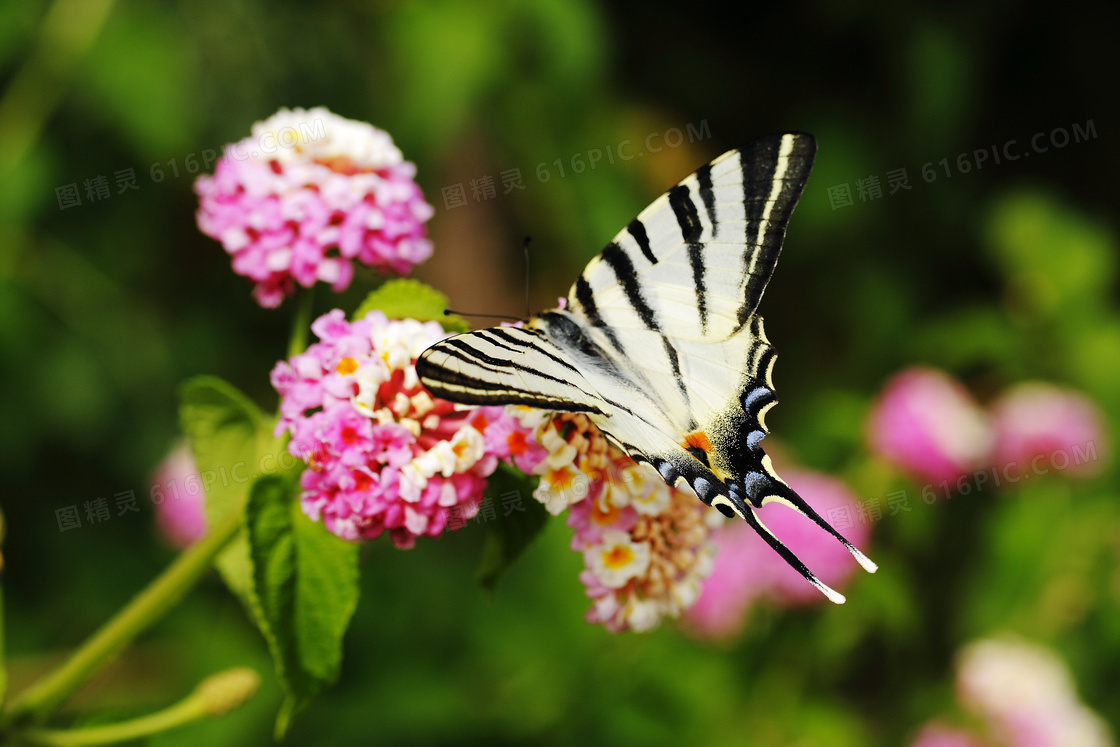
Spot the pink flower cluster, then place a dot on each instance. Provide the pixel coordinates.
(1040, 420)
(1023, 695)
(937, 734)
(306, 195)
(382, 454)
(509, 434)
(929, 425)
(645, 546)
(747, 571)
(1026, 694)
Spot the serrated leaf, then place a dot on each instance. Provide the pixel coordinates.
(507, 536)
(229, 437)
(405, 298)
(326, 594)
(305, 582)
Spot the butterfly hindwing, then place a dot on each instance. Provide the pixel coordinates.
(661, 344)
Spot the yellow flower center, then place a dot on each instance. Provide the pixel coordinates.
(347, 366)
(617, 557)
(603, 512)
(560, 478)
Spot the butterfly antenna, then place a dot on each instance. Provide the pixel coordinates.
(449, 312)
(525, 248)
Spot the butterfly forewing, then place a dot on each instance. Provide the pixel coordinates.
(696, 261)
(661, 344)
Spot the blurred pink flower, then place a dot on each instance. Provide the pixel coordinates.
(382, 454)
(739, 578)
(935, 734)
(747, 569)
(1027, 695)
(179, 498)
(308, 193)
(928, 424)
(1053, 427)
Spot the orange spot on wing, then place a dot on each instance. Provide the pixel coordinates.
(699, 440)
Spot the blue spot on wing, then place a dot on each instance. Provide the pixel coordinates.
(755, 396)
(754, 483)
(668, 473)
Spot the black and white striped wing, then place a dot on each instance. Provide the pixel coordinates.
(506, 365)
(661, 344)
(701, 255)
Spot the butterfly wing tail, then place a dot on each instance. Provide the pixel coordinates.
(784, 494)
(751, 517)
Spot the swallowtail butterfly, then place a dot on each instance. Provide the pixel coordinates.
(660, 343)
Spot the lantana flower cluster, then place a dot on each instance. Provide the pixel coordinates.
(308, 194)
(930, 426)
(1027, 694)
(1024, 696)
(382, 454)
(646, 546)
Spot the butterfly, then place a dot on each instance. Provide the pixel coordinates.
(660, 343)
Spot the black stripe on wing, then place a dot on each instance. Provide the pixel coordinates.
(637, 229)
(707, 194)
(459, 370)
(619, 262)
(688, 218)
(774, 171)
(585, 298)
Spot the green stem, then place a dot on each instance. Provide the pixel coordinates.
(3, 655)
(301, 322)
(68, 31)
(3, 642)
(41, 699)
(181, 713)
(215, 696)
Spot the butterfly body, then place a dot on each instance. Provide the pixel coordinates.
(660, 343)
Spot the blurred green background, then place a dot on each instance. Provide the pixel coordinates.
(1003, 273)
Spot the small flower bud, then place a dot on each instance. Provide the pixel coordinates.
(223, 692)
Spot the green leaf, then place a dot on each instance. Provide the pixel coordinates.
(232, 442)
(507, 536)
(410, 299)
(305, 581)
(1058, 261)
